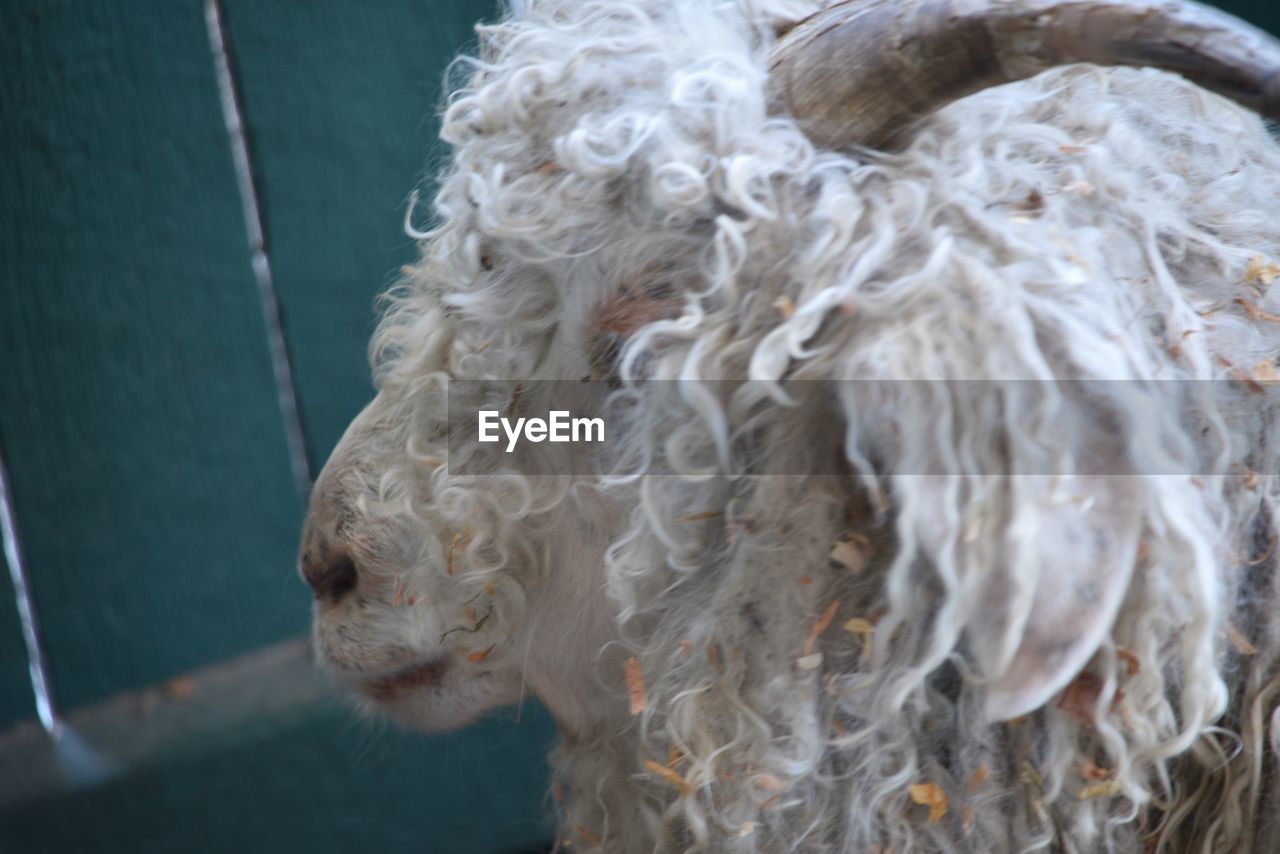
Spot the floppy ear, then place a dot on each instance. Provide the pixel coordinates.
(1031, 520)
(1070, 550)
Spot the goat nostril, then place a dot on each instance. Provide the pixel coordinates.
(334, 578)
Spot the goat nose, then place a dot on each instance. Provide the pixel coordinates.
(332, 576)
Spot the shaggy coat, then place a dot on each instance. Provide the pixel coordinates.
(1019, 593)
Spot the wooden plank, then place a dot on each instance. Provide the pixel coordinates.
(137, 408)
(257, 754)
(339, 100)
(200, 712)
(307, 790)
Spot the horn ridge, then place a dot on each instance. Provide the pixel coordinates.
(864, 71)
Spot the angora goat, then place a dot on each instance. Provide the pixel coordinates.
(1018, 593)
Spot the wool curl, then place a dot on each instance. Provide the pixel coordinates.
(1062, 237)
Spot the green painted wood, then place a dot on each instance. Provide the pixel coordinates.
(1262, 13)
(339, 99)
(16, 700)
(326, 784)
(137, 409)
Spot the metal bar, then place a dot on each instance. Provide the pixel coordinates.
(286, 391)
(37, 664)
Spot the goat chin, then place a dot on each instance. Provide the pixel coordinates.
(1033, 620)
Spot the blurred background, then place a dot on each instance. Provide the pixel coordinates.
(168, 384)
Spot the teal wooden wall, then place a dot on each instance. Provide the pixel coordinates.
(15, 691)
(339, 96)
(138, 413)
(137, 408)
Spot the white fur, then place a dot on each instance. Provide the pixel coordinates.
(1087, 224)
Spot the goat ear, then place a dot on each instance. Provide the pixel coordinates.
(1069, 552)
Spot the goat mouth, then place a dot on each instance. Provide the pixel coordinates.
(394, 684)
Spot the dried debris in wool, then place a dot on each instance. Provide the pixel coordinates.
(1130, 659)
(1255, 312)
(1093, 772)
(1266, 554)
(700, 517)
(859, 626)
(460, 541)
(978, 777)
(864, 628)
(1031, 777)
(852, 552)
(675, 755)
(1105, 789)
(636, 697)
(1240, 375)
(480, 655)
(820, 625)
(1239, 641)
(931, 796)
(1032, 203)
(1265, 371)
(674, 778)
(767, 781)
(1261, 271)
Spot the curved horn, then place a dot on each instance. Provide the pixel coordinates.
(862, 72)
